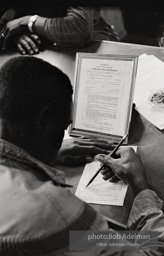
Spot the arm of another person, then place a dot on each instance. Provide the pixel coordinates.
(146, 214)
(75, 29)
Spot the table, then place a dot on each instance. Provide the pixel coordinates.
(141, 131)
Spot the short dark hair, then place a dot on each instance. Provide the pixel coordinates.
(29, 84)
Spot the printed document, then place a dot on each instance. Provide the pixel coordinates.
(100, 191)
(103, 89)
(103, 101)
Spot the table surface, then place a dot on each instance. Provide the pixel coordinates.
(141, 130)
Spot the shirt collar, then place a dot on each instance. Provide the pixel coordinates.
(10, 150)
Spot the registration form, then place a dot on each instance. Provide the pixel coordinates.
(103, 95)
(103, 91)
(100, 191)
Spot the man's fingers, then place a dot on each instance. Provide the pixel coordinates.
(114, 178)
(106, 170)
(106, 146)
(107, 176)
(7, 36)
(26, 46)
(30, 45)
(93, 150)
(38, 42)
(90, 150)
(77, 160)
(125, 151)
(105, 159)
(96, 139)
(35, 38)
(20, 49)
(3, 35)
(96, 143)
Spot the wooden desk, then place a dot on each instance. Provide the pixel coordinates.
(141, 131)
(65, 60)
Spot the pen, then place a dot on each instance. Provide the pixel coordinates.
(111, 154)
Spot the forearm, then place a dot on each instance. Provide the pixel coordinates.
(76, 28)
(138, 184)
(146, 215)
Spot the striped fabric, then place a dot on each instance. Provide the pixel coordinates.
(79, 27)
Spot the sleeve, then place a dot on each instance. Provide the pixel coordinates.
(146, 216)
(75, 29)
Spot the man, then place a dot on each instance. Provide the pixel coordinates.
(37, 211)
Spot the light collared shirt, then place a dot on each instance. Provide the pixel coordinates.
(36, 215)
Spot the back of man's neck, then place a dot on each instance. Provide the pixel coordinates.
(21, 135)
(15, 133)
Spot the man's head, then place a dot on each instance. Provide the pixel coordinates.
(35, 97)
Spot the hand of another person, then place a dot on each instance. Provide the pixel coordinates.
(13, 28)
(28, 44)
(127, 167)
(7, 16)
(80, 151)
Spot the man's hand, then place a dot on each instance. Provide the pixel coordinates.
(127, 167)
(12, 29)
(80, 151)
(28, 43)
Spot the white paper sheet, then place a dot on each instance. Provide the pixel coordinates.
(100, 191)
(150, 76)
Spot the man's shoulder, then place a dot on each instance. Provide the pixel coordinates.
(36, 213)
(26, 202)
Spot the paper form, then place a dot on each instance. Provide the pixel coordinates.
(100, 191)
(150, 76)
(103, 90)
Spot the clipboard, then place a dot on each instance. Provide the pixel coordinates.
(103, 95)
